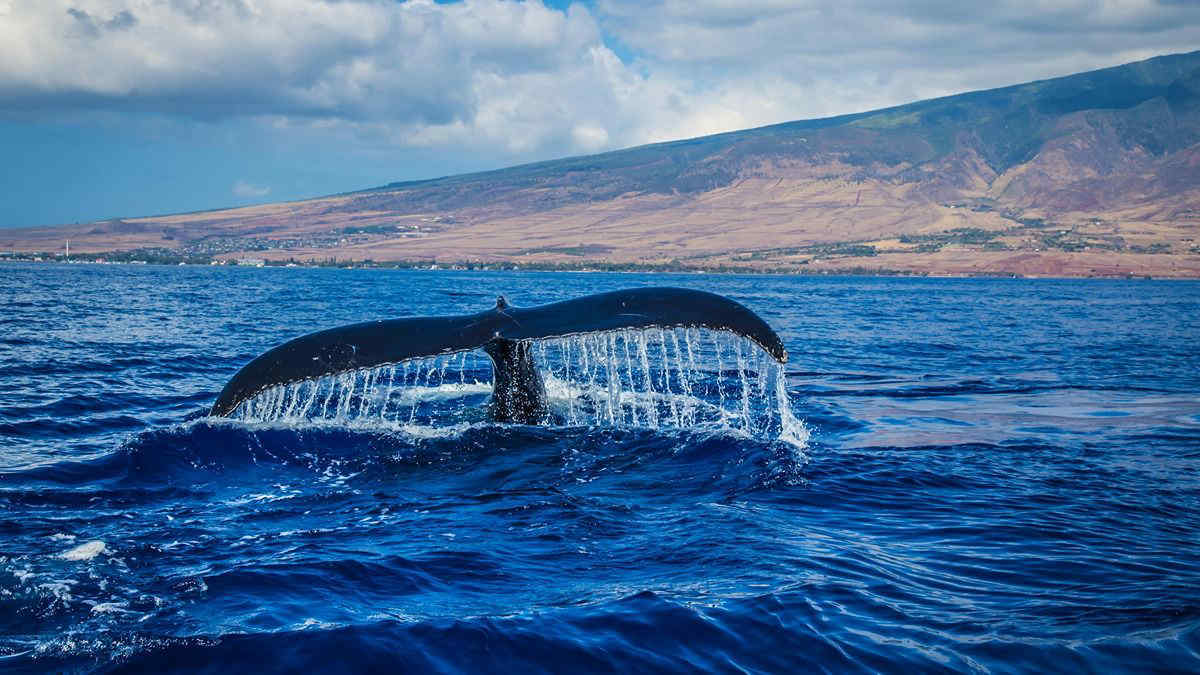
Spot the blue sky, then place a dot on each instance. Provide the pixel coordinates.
(135, 107)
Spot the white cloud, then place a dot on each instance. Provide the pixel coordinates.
(249, 191)
(769, 60)
(519, 80)
(589, 136)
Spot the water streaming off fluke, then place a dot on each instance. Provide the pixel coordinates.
(652, 378)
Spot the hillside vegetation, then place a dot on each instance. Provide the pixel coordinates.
(1091, 174)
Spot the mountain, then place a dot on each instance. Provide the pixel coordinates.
(1091, 174)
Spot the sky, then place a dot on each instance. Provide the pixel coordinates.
(112, 108)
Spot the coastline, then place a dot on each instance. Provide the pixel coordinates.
(426, 266)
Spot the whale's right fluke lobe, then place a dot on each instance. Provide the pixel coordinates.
(644, 308)
(375, 343)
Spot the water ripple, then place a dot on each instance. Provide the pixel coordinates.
(1002, 476)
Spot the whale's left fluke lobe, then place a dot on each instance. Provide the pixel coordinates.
(519, 395)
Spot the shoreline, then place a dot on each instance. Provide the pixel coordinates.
(624, 269)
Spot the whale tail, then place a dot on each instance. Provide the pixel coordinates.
(503, 332)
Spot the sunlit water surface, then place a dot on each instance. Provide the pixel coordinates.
(990, 475)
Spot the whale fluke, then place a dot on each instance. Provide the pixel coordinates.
(503, 333)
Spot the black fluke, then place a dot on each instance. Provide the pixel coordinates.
(503, 332)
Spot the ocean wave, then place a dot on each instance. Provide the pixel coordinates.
(643, 632)
(995, 481)
(208, 446)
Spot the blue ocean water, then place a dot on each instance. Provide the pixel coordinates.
(1001, 475)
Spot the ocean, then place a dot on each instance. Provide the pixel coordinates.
(948, 475)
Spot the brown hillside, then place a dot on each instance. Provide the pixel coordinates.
(1092, 174)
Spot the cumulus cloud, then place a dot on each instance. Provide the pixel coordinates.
(410, 62)
(521, 80)
(246, 190)
(763, 61)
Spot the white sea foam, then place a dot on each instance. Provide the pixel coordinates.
(111, 608)
(259, 497)
(59, 588)
(314, 623)
(85, 551)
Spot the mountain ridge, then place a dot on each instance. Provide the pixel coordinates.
(814, 123)
(1093, 174)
